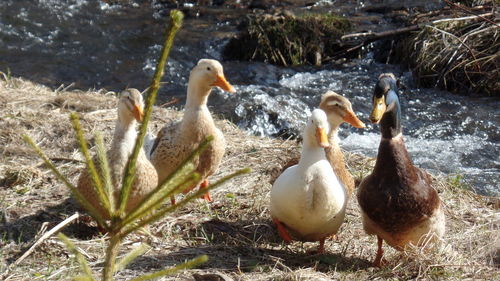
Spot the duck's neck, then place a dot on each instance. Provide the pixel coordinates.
(390, 124)
(333, 136)
(196, 118)
(333, 153)
(393, 159)
(311, 152)
(197, 95)
(124, 138)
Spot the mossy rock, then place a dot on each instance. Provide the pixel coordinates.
(289, 40)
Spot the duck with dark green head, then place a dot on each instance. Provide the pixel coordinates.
(398, 202)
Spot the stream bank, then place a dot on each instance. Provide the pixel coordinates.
(86, 44)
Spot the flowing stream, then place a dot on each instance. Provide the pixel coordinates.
(91, 44)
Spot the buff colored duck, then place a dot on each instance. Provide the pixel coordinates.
(338, 109)
(130, 110)
(177, 140)
(308, 199)
(398, 202)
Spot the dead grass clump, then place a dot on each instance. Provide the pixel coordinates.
(458, 55)
(288, 40)
(235, 231)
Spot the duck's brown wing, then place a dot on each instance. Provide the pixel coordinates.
(337, 161)
(277, 171)
(165, 133)
(397, 205)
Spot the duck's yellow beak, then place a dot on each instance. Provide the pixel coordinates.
(352, 119)
(322, 138)
(138, 113)
(221, 82)
(378, 109)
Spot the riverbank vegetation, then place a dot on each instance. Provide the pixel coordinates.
(456, 47)
(288, 40)
(235, 231)
(459, 51)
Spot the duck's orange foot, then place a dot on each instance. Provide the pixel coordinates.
(172, 200)
(320, 250)
(282, 231)
(205, 196)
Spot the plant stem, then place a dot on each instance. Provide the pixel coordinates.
(176, 18)
(111, 254)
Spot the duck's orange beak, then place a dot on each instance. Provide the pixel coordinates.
(138, 113)
(352, 119)
(221, 82)
(322, 138)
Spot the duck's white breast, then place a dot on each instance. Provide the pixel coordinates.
(310, 200)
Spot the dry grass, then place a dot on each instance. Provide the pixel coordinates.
(235, 230)
(459, 53)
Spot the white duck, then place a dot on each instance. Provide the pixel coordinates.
(308, 199)
(177, 140)
(130, 107)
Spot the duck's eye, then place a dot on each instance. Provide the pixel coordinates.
(208, 68)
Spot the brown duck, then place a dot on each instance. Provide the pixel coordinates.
(339, 110)
(397, 200)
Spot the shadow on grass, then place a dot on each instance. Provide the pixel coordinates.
(24, 229)
(250, 259)
(247, 246)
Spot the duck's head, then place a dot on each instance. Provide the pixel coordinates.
(130, 105)
(209, 73)
(384, 95)
(339, 110)
(317, 128)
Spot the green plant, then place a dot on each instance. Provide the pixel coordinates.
(6, 76)
(457, 182)
(151, 208)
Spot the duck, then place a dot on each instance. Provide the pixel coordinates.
(307, 199)
(338, 109)
(130, 111)
(176, 140)
(398, 201)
